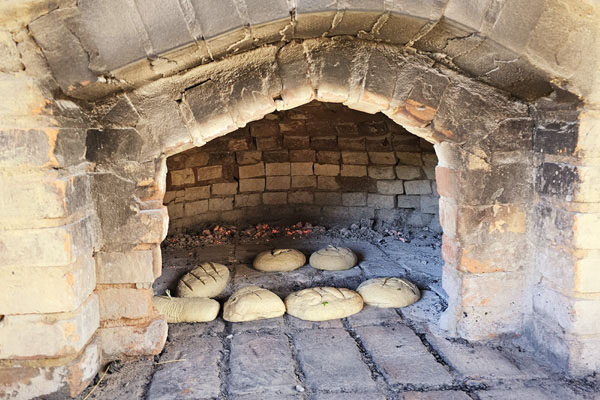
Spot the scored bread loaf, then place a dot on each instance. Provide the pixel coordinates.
(209, 279)
(389, 292)
(251, 303)
(323, 303)
(333, 258)
(279, 260)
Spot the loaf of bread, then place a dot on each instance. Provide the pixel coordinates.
(207, 280)
(389, 292)
(323, 303)
(333, 258)
(251, 303)
(279, 260)
(189, 309)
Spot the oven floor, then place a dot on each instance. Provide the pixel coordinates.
(418, 260)
(376, 354)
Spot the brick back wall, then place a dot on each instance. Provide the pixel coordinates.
(321, 162)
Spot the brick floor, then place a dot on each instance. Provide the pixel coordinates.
(261, 363)
(435, 395)
(195, 377)
(331, 361)
(401, 357)
(475, 362)
(376, 354)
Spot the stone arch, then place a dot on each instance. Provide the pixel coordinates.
(113, 94)
(478, 132)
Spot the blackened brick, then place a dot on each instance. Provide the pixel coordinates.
(556, 179)
(324, 142)
(302, 155)
(556, 138)
(276, 156)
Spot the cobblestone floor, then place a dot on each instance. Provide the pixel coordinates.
(376, 354)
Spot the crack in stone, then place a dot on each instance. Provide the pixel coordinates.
(288, 29)
(376, 375)
(424, 30)
(224, 362)
(247, 38)
(497, 67)
(337, 19)
(294, 351)
(472, 35)
(376, 28)
(83, 47)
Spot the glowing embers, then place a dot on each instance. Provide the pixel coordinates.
(219, 234)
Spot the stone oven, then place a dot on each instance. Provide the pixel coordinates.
(121, 120)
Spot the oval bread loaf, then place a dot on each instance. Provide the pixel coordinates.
(251, 303)
(279, 260)
(207, 280)
(333, 258)
(189, 309)
(389, 292)
(323, 303)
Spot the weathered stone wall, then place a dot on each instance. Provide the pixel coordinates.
(320, 162)
(49, 313)
(565, 303)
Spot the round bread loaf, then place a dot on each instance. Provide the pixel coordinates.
(188, 309)
(251, 303)
(279, 260)
(333, 258)
(323, 303)
(207, 280)
(389, 292)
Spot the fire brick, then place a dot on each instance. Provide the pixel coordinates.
(327, 169)
(252, 171)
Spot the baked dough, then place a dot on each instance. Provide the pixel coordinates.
(333, 258)
(189, 309)
(251, 303)
(323, 303)
(279, 260)
(207, 280)
(389, 292)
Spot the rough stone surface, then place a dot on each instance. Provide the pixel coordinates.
(66, 333)
(402, 357)
(61, 381)
(260, 364)
(65, 288)
(148, 337)
(180, 379)
(478, 362)
(132, 267)
(330, 360)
